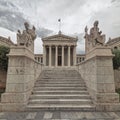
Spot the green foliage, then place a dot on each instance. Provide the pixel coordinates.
(118, 90)
(3, 58)
(116, 59)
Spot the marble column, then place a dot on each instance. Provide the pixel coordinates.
(68, 55)
(49, 55)
(74, 55)
(44, 55)
(56, 56)
(62, 55)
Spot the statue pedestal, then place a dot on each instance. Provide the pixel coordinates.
(97, 71)
(20, 79)
(104, 91)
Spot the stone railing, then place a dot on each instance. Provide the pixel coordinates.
(38, 69)
(97, 71)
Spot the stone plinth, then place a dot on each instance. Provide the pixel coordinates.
(20, 79)
(98, 74)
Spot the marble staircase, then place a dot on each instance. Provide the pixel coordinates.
(60, 90)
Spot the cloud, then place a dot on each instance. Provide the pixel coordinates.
(7, 33)
(109, 20)
(38, 49)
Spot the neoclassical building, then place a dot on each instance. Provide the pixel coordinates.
(114, 43)
(59, 50)
(6, 41)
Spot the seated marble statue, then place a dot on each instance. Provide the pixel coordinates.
(96, 35)
(27, 36)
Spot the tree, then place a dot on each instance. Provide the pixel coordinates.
(3, 57)
(116, 59)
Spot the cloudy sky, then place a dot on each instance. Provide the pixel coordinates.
(74, 14)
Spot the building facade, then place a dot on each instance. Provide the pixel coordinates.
(59, 50)
(114, 43)
(6, 41)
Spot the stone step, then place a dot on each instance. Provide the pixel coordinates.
(61, 80)
(82, 108)
(61, 73)
(59, 96)
(55, 77)
(60, 101)
(59, 88)
(59, 85)
(60, 92)
(58, 82)
(60, 76)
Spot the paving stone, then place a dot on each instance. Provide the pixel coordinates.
(60, 115)
(89, 115)
(117, 113)
(68, 115)
(56, 115)
(80, 115)
(31, 116)
(101, 115)
(48, 115)
(15, 115)
(39, 115)
(113, 115)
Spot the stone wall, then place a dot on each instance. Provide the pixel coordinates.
(87, 70)
(117, 78)
(97, 71)
(38, 69)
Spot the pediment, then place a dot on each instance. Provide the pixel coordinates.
(59, 37)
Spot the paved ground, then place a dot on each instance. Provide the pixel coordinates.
(59, 115)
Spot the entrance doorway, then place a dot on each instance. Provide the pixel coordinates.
(59, 60)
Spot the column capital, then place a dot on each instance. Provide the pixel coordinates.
(44, 45)
(49, 45)
(69, 45)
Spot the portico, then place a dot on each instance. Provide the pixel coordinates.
(59, 50)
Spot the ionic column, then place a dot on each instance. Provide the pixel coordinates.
(68, 55)
(49, 55)
(62, 55)
(44, 55)
(56, 56)
(74, 55)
